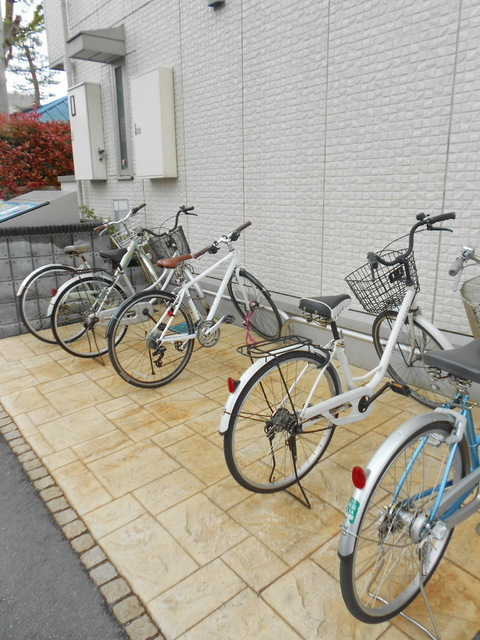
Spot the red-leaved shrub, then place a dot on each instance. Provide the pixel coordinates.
(32, 153)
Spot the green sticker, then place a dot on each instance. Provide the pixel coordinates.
(352, 510)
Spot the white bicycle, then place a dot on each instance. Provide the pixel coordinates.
(422, 482)
(282, 413)
(151, 335)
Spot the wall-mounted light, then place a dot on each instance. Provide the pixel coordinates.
(216, 3)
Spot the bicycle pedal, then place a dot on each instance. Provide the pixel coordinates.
(229, 319)
(402, 389)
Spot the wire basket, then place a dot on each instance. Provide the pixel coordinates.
(168, 244)
(470, 292)
(124, 237)
(386, 289)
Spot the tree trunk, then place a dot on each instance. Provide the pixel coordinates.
(33, 73)
(3, 80)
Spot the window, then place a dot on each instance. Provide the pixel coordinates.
(122, 128)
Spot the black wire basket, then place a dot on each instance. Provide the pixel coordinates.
(169, 244)
(385, 288)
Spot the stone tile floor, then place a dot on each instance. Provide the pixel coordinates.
(144, 470)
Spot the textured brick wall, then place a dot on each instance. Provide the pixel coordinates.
(328, 124)
(23, 250)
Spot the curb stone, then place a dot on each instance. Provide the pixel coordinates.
(120, 600)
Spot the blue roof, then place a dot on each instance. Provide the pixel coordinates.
(55, 110)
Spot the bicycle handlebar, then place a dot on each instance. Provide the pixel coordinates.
(232, 237)
(375, 259)
(112, 223)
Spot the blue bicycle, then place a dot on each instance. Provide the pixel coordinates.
(421, 483)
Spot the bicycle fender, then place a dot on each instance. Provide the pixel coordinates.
(81, 276)
(244, 378)
(356, 506)
(34, 274)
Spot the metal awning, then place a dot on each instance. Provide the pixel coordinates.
(100, 45)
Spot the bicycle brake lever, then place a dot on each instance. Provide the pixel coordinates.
(432, 228)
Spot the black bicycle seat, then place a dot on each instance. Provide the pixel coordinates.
(326, 306)
(463, 362)
(115, 255)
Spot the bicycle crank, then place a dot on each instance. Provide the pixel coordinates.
(205, 335)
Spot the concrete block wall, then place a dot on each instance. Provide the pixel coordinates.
(24, 249)
(328, 124)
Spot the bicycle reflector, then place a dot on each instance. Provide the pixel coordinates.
(232, 384)
(359, 477)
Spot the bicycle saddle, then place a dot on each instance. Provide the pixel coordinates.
(115, 255)
(330, 307)
(172, 263)
(75, 250)
(463, 362)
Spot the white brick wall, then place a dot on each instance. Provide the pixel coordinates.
(328, 124)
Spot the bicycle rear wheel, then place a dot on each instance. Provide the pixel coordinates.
(81, 313)
(254, 303)
(267, 447)
(141, 351)
(406, 365)
(393, 552)
(35, 297)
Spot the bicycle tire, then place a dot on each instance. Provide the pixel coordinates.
(381, 577)
(411, 372)
(34, 299)
(257, 447)
(77, 325)
(260, 311)
(135, 351)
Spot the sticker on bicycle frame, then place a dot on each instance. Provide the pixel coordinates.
(352, 510)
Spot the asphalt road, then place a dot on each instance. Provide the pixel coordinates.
(45, 594)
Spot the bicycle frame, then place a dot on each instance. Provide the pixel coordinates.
(103, 316)
(353, 398)
(448, 507)
(233, 262)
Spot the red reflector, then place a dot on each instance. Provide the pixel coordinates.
(232, 384)
(170, 313)
(53, 292)
(359, 477)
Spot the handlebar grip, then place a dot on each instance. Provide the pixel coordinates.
(137, 209)
(442, 217)
(100, 228)
(185, 209)
(201, 252)
(242, 227)
(456, 266)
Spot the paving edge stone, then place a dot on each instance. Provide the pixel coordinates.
(122, 603)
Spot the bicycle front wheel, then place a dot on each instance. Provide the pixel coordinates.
(394, 551)
(35, 297)
(141, 348)
(81, 313)
(406, 365)
(254, 303)
(268, 446)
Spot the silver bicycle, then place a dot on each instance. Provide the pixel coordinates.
(82, 308)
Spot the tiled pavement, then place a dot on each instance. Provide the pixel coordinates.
(144, 471)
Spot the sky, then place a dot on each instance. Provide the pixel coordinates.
(58, 90)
